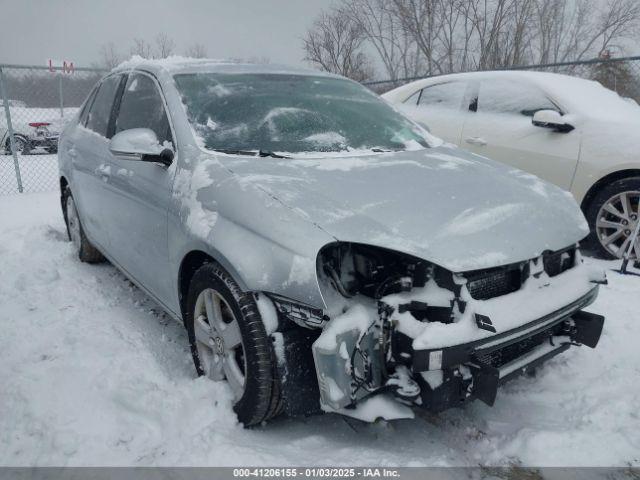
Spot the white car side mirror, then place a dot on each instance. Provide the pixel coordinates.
(551, 119)
(140, 144)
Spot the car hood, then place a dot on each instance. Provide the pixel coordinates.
(453, 208)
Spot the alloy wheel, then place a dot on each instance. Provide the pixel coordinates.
(219, 341)
(616, 223)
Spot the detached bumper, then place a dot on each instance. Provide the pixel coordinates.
(477, 369)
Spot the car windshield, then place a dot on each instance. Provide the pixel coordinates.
(240, 113)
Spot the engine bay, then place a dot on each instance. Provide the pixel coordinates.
(395, 317)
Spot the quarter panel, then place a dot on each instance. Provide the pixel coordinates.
(606, 148)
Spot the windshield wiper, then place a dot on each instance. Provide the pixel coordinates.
(249, 153)
(232, 151)
(385, 150)
(268, 153)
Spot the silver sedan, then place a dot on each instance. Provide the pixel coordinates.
(324, 252)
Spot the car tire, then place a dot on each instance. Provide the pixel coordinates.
(258, 399)
(23, 145)
(596, 213)
(85, 250)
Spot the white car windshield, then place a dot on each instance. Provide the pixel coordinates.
(240, 113)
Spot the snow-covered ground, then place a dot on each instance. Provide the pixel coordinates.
(93, 373)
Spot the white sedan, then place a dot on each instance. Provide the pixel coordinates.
(572, 132)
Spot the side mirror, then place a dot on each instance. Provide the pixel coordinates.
(551, 119)
(140, 144)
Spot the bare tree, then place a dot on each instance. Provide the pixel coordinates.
(582, 29)
(141, 48)
(197, 50)
(164, 45)
(382, 28)
(409, 37)
(419, 20)
(110, 57)
(334, 44)
(616, 76)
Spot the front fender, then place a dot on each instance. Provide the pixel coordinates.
(263, 244)
(256, 263)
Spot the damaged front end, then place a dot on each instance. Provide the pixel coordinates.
(420, 334)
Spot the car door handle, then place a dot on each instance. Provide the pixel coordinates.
(104, 172)
(476, 141)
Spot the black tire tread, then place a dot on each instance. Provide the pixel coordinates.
(88, 253)
(261, 400)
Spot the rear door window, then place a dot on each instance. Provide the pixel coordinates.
(142, 107)
(100, 111)
(450, 96)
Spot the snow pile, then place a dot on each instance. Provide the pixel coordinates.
(536, 298)
(474, 220)
(376, 407)
(577, 94)
(92, 373)
(358, 318)
(200, 219)
(173, 62)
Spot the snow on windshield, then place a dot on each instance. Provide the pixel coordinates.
(292, 113)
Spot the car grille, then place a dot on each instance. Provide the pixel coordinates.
(486, 284)
(494, 282)
(509, 353)
(557, 262)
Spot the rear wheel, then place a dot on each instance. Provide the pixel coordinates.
(85, 250)
(613, 216)
(229, 342)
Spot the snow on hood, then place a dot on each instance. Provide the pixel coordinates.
(456, 209)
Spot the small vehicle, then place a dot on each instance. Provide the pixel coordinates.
(323, 251)
(569, 131)
(33, 137)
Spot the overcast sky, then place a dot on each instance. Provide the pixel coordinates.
(34, 30)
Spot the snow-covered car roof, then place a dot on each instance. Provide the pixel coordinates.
(576, 94)
(177, 64)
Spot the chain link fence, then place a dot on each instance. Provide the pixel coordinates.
(35, 103)
(619, 74)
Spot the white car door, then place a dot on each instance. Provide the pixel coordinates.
(441, 108)
(501, 128)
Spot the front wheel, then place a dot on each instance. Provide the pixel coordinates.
(229, 342)
(613, 216)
